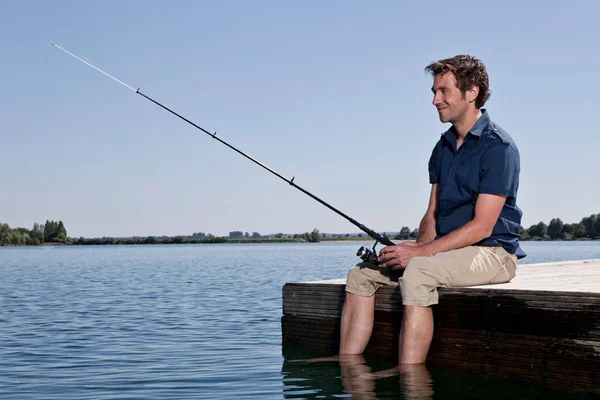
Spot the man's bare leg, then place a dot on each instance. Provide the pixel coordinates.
(357, 323)
(415, 335)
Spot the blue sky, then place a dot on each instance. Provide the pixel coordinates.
(333, 93)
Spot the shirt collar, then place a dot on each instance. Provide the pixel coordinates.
(481, 123)
(476, 130)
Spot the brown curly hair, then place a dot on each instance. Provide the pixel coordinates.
(468, 71)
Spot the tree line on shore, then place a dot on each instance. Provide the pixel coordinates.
(587, 229)
(53, 232)
(50, 232)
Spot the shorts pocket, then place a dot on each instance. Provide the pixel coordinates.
(507, 268)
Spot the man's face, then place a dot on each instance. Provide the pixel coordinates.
(447, 98)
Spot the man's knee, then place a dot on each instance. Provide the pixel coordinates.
(359, 283)
(365, 279)
(353, 277)
(419, 283)
(419, 270)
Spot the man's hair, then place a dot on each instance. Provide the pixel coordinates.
(468, 71)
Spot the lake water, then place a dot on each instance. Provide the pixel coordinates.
(193, 322)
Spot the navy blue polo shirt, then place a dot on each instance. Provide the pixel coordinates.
(487, 162)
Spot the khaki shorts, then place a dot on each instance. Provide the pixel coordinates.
(469, 266)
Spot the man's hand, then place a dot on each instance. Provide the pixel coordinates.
(397, 257)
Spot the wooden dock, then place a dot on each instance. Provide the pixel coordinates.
(542, 328)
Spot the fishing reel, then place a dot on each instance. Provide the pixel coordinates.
(368, 255)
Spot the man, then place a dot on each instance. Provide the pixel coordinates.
(471, 230)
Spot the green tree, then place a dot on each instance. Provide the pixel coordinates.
(590, 225)
(178, 239)
(539, 230)
(579, 231)
(37, 233)
(4, 231)
(404, 233)
(12, 238)
(314, 236)
(55, 232)
(566, 235)
(49, 231)
(61, 233)
(555, 228)
(61, 229)
(597, 226)
(414, 234)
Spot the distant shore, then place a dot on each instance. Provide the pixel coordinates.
(55, 233)
(263, 241)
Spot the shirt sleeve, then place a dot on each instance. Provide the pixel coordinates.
(434, 164)
(500, 171)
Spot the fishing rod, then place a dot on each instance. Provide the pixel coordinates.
(364, 253)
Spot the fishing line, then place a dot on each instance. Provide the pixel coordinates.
(91, 65)
(363, 252)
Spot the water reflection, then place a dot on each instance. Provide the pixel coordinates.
(345, 376)
(372, 378)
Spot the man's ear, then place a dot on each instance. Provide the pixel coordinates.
(471, 94)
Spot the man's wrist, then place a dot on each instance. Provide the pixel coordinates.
(428, 249)
(422, 241)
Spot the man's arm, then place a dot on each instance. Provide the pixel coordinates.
(427, 226)
(499, 179)
(487, 211)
